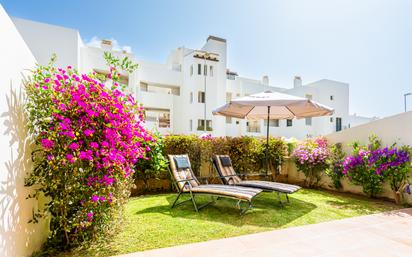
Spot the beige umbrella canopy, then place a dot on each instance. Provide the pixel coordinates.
(272, 105)
(280, 106)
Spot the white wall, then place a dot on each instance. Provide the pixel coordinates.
(17, 237)
(397, 128)
(355, 120)
(45, 39)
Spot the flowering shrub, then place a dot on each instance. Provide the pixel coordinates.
(247, 153)
(311, 158)
(370, 166)
(335, 163)
(396, 166)
(154, 165)
(88, 137)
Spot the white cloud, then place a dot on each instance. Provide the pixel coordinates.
(95, 42)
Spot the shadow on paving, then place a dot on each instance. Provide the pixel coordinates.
(266, 211)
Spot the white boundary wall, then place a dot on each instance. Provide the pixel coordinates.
(397, 128)
(17, 237)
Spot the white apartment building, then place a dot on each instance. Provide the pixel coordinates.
(179, 94)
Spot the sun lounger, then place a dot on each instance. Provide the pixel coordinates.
(223, 166)
(187, 183)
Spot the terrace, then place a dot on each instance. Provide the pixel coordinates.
(83, 175)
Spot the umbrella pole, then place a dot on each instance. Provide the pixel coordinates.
(267, 143)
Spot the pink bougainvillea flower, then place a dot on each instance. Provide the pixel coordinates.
(74, 146)
(94, 145)
(47, 143)
(88, 132)
(94, 198)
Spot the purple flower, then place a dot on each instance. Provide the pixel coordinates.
(94, 198)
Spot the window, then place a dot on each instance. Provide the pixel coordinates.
(237, 122)
(331, 119)
(231, 76)
(288, 123)
(308, 121)
(253, 126)
(201, 125)
(331, 97)
(209, 125)
(191, 125)
(201, 97)
(205, 70)
(158, 117)
(211, 70)
(191, 70)
(338, 124)
(191, 97)
(229, 120)
(308, 96)
(199, 69)
(228, 97)
(272, 123)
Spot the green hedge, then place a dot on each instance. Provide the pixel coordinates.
(247, 153)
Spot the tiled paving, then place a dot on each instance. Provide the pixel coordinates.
(384, 234)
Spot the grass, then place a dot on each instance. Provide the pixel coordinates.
(150, 223)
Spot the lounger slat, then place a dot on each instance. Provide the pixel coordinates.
(270, 186)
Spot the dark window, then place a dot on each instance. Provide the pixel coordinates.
(338, 124)
(201, 97)
(201, 125)
(205, 70)
(272, 123)
(199, 69)
(289, 123)
(308, 121)
(331, 97)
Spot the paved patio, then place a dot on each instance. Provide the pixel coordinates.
(384, 234)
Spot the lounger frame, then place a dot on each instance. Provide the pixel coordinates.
(225, 181)
(193, 194)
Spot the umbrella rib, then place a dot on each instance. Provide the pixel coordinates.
(249, 111)
(290, 111)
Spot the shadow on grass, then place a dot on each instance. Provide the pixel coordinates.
(266, 211)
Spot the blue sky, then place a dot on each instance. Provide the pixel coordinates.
(367, 43)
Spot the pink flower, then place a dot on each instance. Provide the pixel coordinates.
(94, 145)
(70, 158)
(47, 143)
(74, 146)
(94, 198)
(88, 132)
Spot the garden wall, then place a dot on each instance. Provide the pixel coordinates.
(17, 236)
(397, 128)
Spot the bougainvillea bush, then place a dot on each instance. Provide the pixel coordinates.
(88, 138)
(311, 158)
(370, 166)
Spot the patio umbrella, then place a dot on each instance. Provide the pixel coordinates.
(272, 105)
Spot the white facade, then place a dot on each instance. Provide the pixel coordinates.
(173, 93)
(356, 120)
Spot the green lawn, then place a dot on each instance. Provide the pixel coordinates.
(150, 223)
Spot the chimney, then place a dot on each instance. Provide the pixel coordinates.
(297, 82)
(106, 44)
(265, 80)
